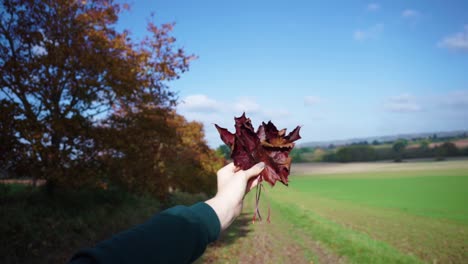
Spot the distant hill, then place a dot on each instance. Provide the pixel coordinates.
(381, 139)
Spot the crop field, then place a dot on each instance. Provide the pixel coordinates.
(412, 212)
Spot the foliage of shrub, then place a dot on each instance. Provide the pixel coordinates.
(184, 198)
(38, 228)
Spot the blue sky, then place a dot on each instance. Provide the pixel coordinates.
(340, 69)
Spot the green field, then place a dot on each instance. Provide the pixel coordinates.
(398, 216)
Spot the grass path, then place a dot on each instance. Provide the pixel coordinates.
(262, 242)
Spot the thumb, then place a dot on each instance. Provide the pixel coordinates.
(255, 170)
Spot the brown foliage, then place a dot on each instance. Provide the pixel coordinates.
(65, 68)
(195, 165)
(157, 151)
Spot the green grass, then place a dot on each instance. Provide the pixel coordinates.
(382, 217)
(12, 188)
(356, 246)
(436, 195)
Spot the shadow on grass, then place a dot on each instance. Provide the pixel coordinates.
(240, 228)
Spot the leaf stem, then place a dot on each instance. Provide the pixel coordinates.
(258, 191)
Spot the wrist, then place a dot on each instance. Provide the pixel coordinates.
(226, 213)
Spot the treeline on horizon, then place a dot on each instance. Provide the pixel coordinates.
(432, 147)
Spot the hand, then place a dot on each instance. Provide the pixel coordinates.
(232, 187)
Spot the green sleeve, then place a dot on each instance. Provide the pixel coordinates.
(177, 235)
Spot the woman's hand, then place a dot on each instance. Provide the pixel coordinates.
(232, 187)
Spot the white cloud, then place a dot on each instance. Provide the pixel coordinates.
(456, 99)
(202, 108)
(312, 100)
(402, 107)
(255, 111)
(410, 14)
(373, 7)
(200, 103)
(275, 114)
(453, 101)
(369, 33)
(403, 103)
(457, 41)
(402, 98)
(359, 35)
(246, 104)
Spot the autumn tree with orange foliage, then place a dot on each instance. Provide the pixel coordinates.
(154, 151)
(75, 89)
(195, 163)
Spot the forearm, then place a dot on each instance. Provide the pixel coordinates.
(225, 213)
(177, 235)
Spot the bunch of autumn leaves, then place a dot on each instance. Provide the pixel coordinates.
(267, 144)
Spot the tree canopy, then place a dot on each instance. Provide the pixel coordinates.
(74, 89)
(398, 148)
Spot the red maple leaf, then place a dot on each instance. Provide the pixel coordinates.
(267, 144)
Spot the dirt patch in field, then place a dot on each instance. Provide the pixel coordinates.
(268, 246)
(319, 168)
(462, 143)
(22, 181)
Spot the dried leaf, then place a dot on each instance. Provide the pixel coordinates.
(267, 144)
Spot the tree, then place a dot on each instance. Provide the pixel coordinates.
(296, 155)
(195, 164)
(447, 149)
(156, 152)
(398, 148)
(135, 149)
(224, 151)
(356, 153)
(9, 160)
(425, 144)
(65, 66)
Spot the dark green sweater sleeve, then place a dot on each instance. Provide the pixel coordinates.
(177, 235)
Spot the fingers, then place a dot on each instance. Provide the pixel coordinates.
(252, 184)
(255, 170)
(230, 168)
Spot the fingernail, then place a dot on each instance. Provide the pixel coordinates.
(261, 165)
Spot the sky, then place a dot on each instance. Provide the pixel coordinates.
(340, 69)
